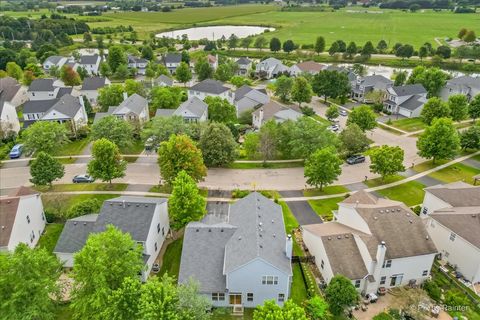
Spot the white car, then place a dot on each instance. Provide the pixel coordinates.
(334, 127)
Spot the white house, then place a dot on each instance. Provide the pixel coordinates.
(163, 81)
(466, 85)
(241, 260)
(270, 68)
(210, 88)
(68, 109)
(192, 110)
(244, 65)
(14, 92)
(273, 110)
(44, 89)
(91, 63)
(309, 67)
(138, 63)
(54, 61)
(90, 87)
(145, 219)
(21, 219)
(213, 61)
(452, 215)
(133, 108)
(374, 242)
(364, 85)
(247, 98)
(8, 117)
(406, 100)
(172, 61)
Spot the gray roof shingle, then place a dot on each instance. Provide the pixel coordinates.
(89, 59)
(93, 83)
(38, 106)
(135, 103)
(413, 103)
(42, 85)
(193, 105)
(409, 90)
(210, 86)
(173, 57)
(9, 86)
(164, 79)
(67, 105)
(75, 234)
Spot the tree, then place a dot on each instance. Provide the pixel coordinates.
(275, 44)
(46, 136)
(414, 7)
(474, 108)
(123, 303)
(283, 88)
(353, 140)
(387, 160)
(246, 42)
(470, 138)
(185, 203)
(251, 145)
(217, 144)
(470, 36)
(106, 163)
(224, 72)
(94, 279)
(288, 46)
(305, 136)
(364, 117)
(351, 50)
(165, 97)
(458, 105)
(123, 72)
(116, 57)
(400, 78)
(444, 51)
(111, 95)
(439, 141)
(105, 70)
(433, 79)
(114, 129)
(382, 46)
(271, 310)
(319, 45)
(87, 37)
(45, 169)
(99, 40)
(191, 304)
(422, 52)
(332, 112)
(462, 33)
(147, 52)
(220, 110)
(14, 70)
(267, 141)
(404, 51)
(183, 73)
(368, 49)
(334, 48)
(332, 84)
(131, 87)
(322, 167)
(84, 207)
(161, 128)
(232, 42)
(301, 91)
(260, 42)
(29, 275)
(203, 69)
(159, 300)
(69, 76)
(180, 153)
(340, 294)
(82, 72)
(434, 108)
(317, 308)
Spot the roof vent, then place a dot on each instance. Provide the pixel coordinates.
(427, 237)
(375, 218)
(240, 238)
(346, 236)
(339, 237)
(474, 215)
(3, 227)
(74, 223)
(221, 230)
(274, 235)
(381, 211)
(273, 221)
(387, 211)
(260, 246)
(260, 235)
(258, 207)
(111, 203)
(196, 230)
(408, 214)
(411, 221)
(398, 210)
(329, 238)
(209, 230)
(84, 223)
(260, 224)
(146, 206)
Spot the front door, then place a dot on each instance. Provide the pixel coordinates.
(235, 298)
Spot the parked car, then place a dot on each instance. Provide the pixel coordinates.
(16, 151)
(343, 113)
(155, 268)
(82, 178)
(334, 127)
(358, 158)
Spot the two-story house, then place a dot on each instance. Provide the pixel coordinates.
(163, 81)
(270, 68)
(374, 242)
(309, 67)
(44, 89)
(14, 92)
(244, 65)
(133, 108)
(210, 88)
(91, 63)
(452, 215)
(406, 100)
(213, 61)
(364, 85)
(466, 85)
(9, 124)
(273, 111)
(90, 87)
(54, 61)
(247, 98)
(140, 64)
(243, 260)
(192, 110)
(22, 219)
(145, 219)
(68, 109)
(172, 61)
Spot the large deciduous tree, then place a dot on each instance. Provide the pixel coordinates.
(387, 160)
(434, 108)
(364, 117)
(474, 108)
(165, 98)
(458, 104)
(203, 69)
(69, 76)
(340, 294)
(319, 45)
(275, 44)
(433, 79)
(332, 112)
(220, 110)
(301, 91)
(317, 308)
(217, 144)
(111, 95)
(114, 129)
(183, 73)
(470, 138)
(322, 167)
(106, 163)
(307, 136)
(116, 57)
(271, 310)
(45, 169)
(161, 128)
(47, 136)
(353, 140)
(439, 141)
(283, 88)
(331, 84)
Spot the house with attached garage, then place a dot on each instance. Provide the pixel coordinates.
(309, 67)
(172, 61)
(247, 98)
(273, 111)
(22, 219)
(270, 68)
(138, 63)
(145, 219)
(210, 88)
(91, 63)
(466, 85)
(375, 242)
(406, 100)
(362, 86)
(243, 259)
(192, 110)
(133, 108)
(90, 87)
(44, 89)
(244, 65)
(9, 124)
(163, 81)
(452, 217)
(14, 92)
(54, 61)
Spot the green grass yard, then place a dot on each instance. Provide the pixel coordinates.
(378, 181)
(328, 190)
(409, 124)
(261, 165)
(456, 172)
(84, 187)
(288, 218)
(325, 207)
(410, 193)
(49, 238)
(171, 259)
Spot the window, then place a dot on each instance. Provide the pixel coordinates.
(357, 283)
(163, 231)
(218, 296)
(425, 273)
(452, 236)
(156, 248)
(383, 280)
(250, 296)
(269, 280)
(387, 264)
(28, 218)
(322, 264)
(425, 210)
(281, 297)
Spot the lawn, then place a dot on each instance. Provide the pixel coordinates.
(409, 124)
(378, 181)
(171, 258)
(261, 165)
(326, 191)
(456, 172)
(288, 218)
(72, 148)
(427, 165)
(84, 187)
(410, 193)
(321, 119)
(299, 290)
(49, 239)
(224, 314)
(325, 207)
(389, 129)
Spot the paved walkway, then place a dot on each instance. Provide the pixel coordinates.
(86, 152)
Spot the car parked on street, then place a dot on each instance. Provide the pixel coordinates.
(16, 151)
(343, 113)
(334, 127)
(358, 158)
(82, 178)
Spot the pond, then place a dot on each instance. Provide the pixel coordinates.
(215, 32)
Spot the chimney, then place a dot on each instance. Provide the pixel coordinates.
(125, 96)
(380, 257)
(289, 246)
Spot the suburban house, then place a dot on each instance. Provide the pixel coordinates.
(270, 68)
(310, 67)
(244, 65)
(172, 61)
(133, 108)
(138, 63)
(452, 213)
(351, 75)
(466, 85)
(91, 63)
(145, 219)
(363, 85)
(9, 123)
(21, 219)
(44, 89)
(374, 242)
(273, 110)
(406, 100)
(247, 98)
(14, 92)
(90, 87)
(243, 259)
(163, 81)
(210, 88)
(54, 61)
(213, 61)
(192, 110)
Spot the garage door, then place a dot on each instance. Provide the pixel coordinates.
(405, 112)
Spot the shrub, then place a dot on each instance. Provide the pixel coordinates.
(432, 289)
(417, 210)
(308, 111)
(84, 207)
(237, 193)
